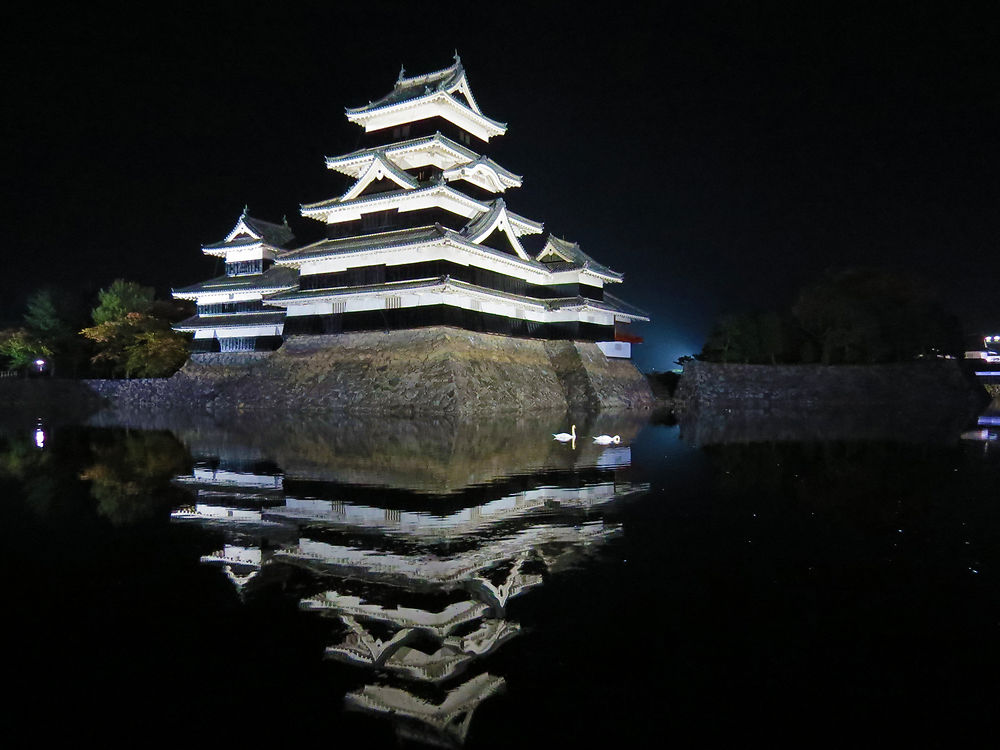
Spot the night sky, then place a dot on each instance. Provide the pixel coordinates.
(719, 158)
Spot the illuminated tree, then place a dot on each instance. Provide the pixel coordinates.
(120, 299)
(20, 348)
(132, 333)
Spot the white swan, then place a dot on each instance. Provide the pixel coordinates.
(607, 439)
(565, 437)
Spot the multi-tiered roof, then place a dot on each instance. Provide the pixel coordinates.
(231, 313)
(423, 234)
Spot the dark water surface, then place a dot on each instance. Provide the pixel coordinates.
(481, 583)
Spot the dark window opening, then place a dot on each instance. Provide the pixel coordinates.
(425, 174)
(359, 276)
(247, 267)
(437, 315)
(221, 308)
(419, 128)
(378, 220)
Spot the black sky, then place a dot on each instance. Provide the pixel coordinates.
(720, 156)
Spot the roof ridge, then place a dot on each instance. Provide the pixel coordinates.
(441, 72)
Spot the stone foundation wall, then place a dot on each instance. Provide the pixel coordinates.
(425, 371)
(918, 402)
(807, 386)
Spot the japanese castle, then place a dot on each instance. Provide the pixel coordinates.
(422, 237)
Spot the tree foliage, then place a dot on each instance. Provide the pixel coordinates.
(869, 315)
(51, 320)
(132, 335)
(43, 318)
(20, 348)
(120, 299)
(762, 338)
(130, 474)
(849, 316)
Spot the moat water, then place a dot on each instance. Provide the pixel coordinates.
(481, 584)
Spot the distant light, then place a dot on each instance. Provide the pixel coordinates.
(40, 437)
(40, 362)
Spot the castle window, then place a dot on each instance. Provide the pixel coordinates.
(221, 308)
(378, 219)
(244, 267)
(237, 344)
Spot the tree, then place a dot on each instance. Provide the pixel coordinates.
(773, 336)
(761, 338)
(859, 315)
(21, 348)
(120, 299)
(730, 340)
(156, 352)
(866, 315)
(132, 332)
(130, 474)
(47, 319)
(43, 319)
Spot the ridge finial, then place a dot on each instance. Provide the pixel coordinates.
(402, 73)
(458, 60)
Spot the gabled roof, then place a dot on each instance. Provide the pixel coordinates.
(486, 173)
(496, 219)
(571, 254)
(440, 88)
(499, 214)
(380, 168)
(449, 80)
(250, 232)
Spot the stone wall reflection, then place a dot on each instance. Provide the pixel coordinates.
(421, 455)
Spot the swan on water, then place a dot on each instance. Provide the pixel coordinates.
(607, 439)
(565, 437)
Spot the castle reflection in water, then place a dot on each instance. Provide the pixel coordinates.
(413, 537)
